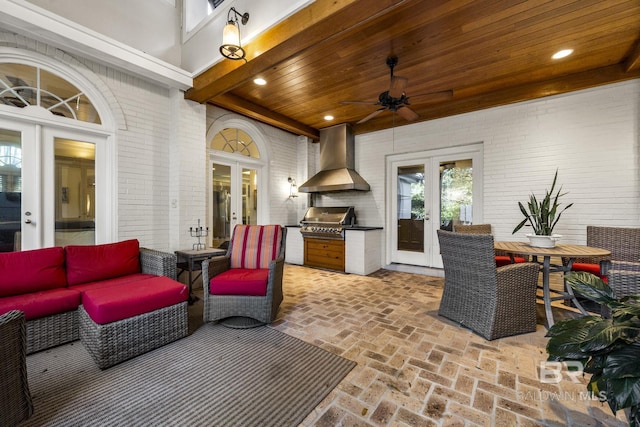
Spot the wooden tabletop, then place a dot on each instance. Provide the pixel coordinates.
(200, 252)
(560, 250)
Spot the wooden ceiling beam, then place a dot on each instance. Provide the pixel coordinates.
(316, 23)
(464, 104)
(242, 106)
(633, 60)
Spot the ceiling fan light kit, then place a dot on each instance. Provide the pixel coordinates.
(395, 99)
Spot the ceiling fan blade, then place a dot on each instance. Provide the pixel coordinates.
(372, 115)
(407, 114)
(360, 102)
(434, 96)
(397, 87)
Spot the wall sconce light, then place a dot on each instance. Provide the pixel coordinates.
(231, 47)
(293, 190)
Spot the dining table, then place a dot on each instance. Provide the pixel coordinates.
(563, 251)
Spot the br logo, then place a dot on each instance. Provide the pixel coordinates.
(554, 372)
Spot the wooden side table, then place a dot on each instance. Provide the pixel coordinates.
(190, 260)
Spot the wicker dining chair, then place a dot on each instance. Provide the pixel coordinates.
(494, 302)
(247, 281)
(501, 257)
(624, 244)
(15, 397)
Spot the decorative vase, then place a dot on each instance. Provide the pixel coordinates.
(538, 241)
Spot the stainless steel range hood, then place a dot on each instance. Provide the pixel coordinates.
(337, 171)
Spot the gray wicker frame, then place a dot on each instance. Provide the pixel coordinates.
(61, 328)
(118, 341)
(624, 244)
(624, 278)
(15, 397)
(261, 308)
(492, 302)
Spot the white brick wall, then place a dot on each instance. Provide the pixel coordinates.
(591, 136)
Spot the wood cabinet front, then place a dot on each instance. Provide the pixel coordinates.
(324, 253)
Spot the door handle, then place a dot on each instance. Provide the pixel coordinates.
(27, 220)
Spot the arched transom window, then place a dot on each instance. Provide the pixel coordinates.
(232, 140)
(24, 86)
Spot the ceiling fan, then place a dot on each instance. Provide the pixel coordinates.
(395, 99)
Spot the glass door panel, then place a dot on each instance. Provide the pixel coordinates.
(411, 208)
(75, 190)
(221, 205)
(456, 193)
(411, 213)
(249, 196)
(10, 189)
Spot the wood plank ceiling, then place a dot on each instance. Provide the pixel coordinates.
(487, 52)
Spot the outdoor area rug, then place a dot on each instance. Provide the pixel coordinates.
(215, 377)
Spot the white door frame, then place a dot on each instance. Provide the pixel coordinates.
(432, 159)
(102, 197)
(38, 181)
(237, 165)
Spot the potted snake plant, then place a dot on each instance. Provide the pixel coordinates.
(543, 215)
(607, 348)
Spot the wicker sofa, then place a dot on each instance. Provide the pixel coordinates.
(48, 284)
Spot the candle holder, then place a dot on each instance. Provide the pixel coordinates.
(199, 232)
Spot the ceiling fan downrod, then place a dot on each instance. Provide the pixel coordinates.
(392, 61)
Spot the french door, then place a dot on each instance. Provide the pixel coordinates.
(49, 180)
(430, 190)
(233, 199)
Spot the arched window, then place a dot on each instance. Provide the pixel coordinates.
(232, 140)
(24, 86)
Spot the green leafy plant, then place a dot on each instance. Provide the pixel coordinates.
(543, 215)
(607, 348)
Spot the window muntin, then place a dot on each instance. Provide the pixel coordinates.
(232, 140)
(36, 87)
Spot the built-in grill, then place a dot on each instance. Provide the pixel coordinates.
(327, 222)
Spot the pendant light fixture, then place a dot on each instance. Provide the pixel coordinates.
(231, 47)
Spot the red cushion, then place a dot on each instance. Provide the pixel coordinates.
(255, 246)
(240, 281)
(114, 303)
(41, 304)
(31, 271)
(98, 262)
(589, 268)
(112, 282)
(506, 260)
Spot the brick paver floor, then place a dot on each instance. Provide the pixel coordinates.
(418, 369)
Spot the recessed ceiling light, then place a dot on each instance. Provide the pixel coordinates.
(260, 81)
(328, 117)
(562, 53)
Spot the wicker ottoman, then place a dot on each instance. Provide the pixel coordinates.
(121, 322)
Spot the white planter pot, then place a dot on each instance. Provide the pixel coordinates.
(543, 241)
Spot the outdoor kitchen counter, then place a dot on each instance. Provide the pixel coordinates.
(362, 248)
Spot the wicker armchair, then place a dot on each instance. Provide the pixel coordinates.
(624, 244)
(15, 398)
(494, 302)
(247, 281)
